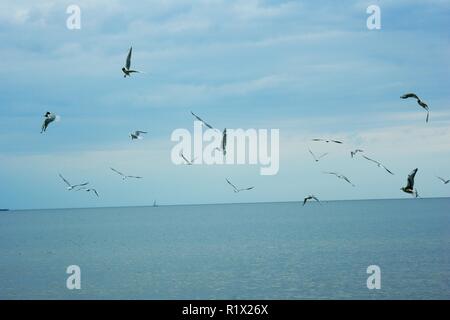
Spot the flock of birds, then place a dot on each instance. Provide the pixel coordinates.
(138, 134)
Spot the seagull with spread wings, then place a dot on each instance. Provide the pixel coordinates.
(420, 102)
(236, 190)
(340, 176)
(202, 121)
(126, 70)
(378, 164)
(444, 181)
(310, 197)
(410, 184)
(125, 176)
(319, 157)
(137, 135)
(72, 186)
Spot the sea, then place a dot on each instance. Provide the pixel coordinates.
(230, 251)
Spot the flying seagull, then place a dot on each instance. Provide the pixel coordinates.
(126, 70)
(90, 190)
(310, 197)
(317, 158)
(188, 162)
(379, 164)
(49, 118)
(125, 176)
(340, 176)
(236, 190)
(355, 152)
(443, 180)
(201, 120)
(72, 186)
(410, 184)
(137, 135)
(420, 102)
(328, 140)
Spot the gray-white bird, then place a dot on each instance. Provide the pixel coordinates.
(202, 121)
(72, 186)
(355, 152)
(420, 102)
(125, 176)
(328, 140)
(319, 157)
(236, 190)
(137, 135)
(310, 197)
(126, 70)
(49, 118)
(443, 180)
(378, 164)
(340, 176)
(410, 184)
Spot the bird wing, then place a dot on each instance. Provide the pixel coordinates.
(245, 189)
(323, 155)
(304, 200)
(139, 132)
(67, 182)
(312, 154)
(411, 176)
(346, 179)
(367, 158)
(409, 95)
(333, 173)
(234, 187)
(81, 184)
(135, 177)
(224, 139)
(118, 172)
(337, 141)
(315, 198)
(128, 62)
(386, 169)
(200, 119)
(442, 179)
(95, 191)
(318, 139)
(184, 158)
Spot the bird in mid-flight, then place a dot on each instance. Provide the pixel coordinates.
(319, 157)
(202, 121)
(236, 190)
(328, 140)
(355, 152)
(125, 176)
(137, 135)
(420, 102)
(410, 184)
(378, 164)
(340, 176)
(48, 118)
(444, 181)
(126, 70)
(310, 197)
(72, 186)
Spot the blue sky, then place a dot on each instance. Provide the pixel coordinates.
(308, 68)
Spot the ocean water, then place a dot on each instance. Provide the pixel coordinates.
(235, 251)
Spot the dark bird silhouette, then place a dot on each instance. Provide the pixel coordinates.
(126, 70)
(340, 176)
(328, 140)
(410, 184)
(420, 102)
(48, 118)
(310, 197)
(319, 157)
(443, 180)
(355, 152)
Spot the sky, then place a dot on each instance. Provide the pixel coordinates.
(311, 69)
